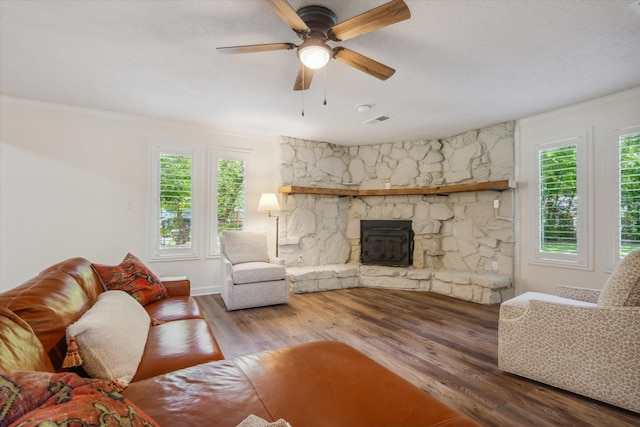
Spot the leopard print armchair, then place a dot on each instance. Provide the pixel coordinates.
(582, 340)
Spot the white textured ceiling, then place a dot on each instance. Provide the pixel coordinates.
(459, 65)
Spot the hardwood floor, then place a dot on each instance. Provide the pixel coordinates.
(447, 347)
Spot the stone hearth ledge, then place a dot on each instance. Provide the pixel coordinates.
(322, 278)
(482, 288)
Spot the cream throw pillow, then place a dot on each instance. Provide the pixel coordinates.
(111, 337)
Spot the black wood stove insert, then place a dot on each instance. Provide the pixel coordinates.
(386, 242)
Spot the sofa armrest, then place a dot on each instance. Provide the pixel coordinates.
(177, 286)
(227, 277)
(227, 269)
(576, 293)
(582, 333)
(274, 260)
(578, 348)
(516, 307)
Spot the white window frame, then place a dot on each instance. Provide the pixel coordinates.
(613, 190)
(583, 259)
(215, 154)
(174, 254)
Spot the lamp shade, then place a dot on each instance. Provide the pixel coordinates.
(268, 202)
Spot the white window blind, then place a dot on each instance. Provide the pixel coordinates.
(175, 201)
(231, 194)
(629, 193)
(174, 213)
(558, 193)
(227, 182)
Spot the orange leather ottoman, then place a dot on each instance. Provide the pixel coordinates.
(322, 383)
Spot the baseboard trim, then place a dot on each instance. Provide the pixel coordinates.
(207, 290)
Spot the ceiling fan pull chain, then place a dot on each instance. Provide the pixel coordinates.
(325, 85)
(302, 91)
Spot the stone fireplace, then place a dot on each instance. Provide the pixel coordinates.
(463, 244)
(386, 242)
(471, 232)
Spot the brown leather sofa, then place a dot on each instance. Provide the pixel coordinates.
(184, 380)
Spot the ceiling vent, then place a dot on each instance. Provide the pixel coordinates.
(377, 119)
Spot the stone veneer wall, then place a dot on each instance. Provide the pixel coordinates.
(462, 231)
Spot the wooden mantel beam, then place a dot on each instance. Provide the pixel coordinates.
(440, 189)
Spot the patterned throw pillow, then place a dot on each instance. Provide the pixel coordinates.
(133, 277)
(29, 398)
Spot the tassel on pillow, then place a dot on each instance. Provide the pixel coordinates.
(156, 322)
(118, 385)
(72, 357)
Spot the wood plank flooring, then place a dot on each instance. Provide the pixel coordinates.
(447, 347)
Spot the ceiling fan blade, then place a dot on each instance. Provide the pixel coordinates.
(284, 10)
(251, 48)
(362, 63)
(381, 16)
(306, 78)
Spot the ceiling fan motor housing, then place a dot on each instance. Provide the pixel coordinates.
(319, 19)
(314, 52)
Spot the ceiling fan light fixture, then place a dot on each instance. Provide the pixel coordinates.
(314, 54)
(315, 25)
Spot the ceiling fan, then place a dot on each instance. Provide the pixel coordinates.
(316, 25)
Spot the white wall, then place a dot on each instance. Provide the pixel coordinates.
(598, 117)
(75, 182)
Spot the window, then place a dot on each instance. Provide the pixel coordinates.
(227, 196)
(629, 193)
(625, 192)
(174, 225)
(558, 193)
(230, 194)
(561, 199)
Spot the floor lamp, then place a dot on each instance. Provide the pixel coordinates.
(269, 203)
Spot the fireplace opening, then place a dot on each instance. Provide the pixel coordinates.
(386, 242)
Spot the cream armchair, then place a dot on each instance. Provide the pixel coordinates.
(581, 340)
(252, 277)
